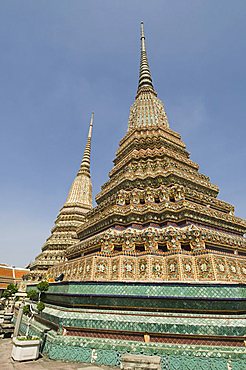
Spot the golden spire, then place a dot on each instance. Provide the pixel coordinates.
(86, 160)
(81, 189)
(145, 79)
(147, 109)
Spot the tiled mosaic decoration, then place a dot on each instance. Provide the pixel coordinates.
(129, 321)
(183, 266)
(151, 289)
(187, 297)
(108, 352)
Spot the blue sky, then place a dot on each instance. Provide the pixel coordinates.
(60, 60)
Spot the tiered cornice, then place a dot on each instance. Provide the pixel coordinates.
(139, 239)
(161, 213)
(189, 253)
(140, 135)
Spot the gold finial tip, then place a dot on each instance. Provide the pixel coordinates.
(91, 125)
(142, 30)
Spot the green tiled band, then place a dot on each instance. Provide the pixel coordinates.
(108, 352)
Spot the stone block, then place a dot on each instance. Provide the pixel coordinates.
(140, 362)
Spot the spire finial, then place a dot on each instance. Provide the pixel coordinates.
(86, 160)
(143, 48)
(144, 74)
(91, 125)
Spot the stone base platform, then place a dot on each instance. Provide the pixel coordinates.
(203, 330)
(177, 352)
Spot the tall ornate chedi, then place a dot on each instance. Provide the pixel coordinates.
(70, 218)
(159, 266)
(157, 218)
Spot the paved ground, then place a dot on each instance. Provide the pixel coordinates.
(6, 362)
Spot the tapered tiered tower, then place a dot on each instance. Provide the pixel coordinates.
(160, 267)
(70, 218)
(158, 218)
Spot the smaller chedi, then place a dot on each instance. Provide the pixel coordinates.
(70, 217)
